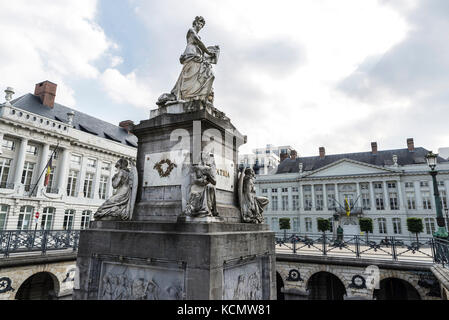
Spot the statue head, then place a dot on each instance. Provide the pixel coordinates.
(199, 22)
(249, 172)
(122, 164)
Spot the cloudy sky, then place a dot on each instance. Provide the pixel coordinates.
(307, 73)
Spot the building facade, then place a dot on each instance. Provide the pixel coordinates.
(386, 186)
(265, 160)
(84, 151)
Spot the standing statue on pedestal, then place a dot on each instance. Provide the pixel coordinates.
(196, 78)
(121, 205)
(202, 201)
(251, 206)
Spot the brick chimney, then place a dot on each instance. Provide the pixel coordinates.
(322, 152)
(293, 154)
(283, 156)
(374, 147)
(127, 125)
(410, 145)
(46, 91)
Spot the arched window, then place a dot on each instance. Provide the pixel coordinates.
(4, 210)
(69, 216)
(85, 219)
(47, 218)
(25, 216)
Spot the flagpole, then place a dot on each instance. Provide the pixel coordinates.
(45, 168)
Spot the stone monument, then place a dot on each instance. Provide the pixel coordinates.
(195, 229)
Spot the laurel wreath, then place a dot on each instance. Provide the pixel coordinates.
(158, 167)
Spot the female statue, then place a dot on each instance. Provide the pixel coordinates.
(202, 201)
(196, 78)
(121, 204)
(251, 206)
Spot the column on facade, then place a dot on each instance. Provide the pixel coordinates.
(83, 167)
(337, 197)
(359, 195)
(290, 199)
(301, 197)
(401, 195)
(1, 142)
(325, 205)
(387, 199)
(313, 197)
(372, 196)
(42, 165)
(63, 169)
(97, 180)
(20, 162)
(418, 195)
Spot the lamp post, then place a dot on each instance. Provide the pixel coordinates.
(432, 162)
(447, 218)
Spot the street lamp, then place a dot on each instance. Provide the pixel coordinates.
(432, 162)
(447, 217)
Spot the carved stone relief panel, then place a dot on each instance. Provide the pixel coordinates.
(243, 282)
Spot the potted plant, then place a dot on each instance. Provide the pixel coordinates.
(366, 225)
(414, 225)
(323, 225)
(284, 224)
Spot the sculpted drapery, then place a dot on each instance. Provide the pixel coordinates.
(251, 206)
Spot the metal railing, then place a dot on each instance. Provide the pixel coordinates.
(21, 241)
(406, 249)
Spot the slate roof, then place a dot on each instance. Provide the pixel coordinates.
(382, 158)
(81, 121)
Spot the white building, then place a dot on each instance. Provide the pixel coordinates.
(386, 186)
(31, 128)
(265, 160)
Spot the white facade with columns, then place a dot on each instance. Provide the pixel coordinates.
(27, 141)
(401, 192)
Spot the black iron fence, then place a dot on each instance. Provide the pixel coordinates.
(22, 241)
(411, 249)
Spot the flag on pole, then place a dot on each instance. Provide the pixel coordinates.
(347, 207)
(48, 172)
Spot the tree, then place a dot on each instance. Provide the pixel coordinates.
(323, 224)
(284, 224)
(366, 225)
(414, 225)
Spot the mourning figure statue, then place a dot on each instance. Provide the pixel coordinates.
(121, 205)
(251, 206)
(196, 78)
(202, 201)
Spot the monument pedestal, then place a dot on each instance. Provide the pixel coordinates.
(193, 261)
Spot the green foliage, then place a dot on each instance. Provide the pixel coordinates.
(414, 225)
(284, 223)
(323, 224)
(366, 225)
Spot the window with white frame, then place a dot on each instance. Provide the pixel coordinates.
(319, 202)
(274, 203)
(440, 183)
(284, 203)
(409, 185)
(331, 203)
(429, 224)
(75, 159)
(284, 189)
(91, 163)
(411, 204)
(307, 188)
(378, 185)
(391, 185)
(5, 166)
(27, 175)
(69, 216)
(25, 216)
(308, 224)
(106, 166)
(264, 190)
(274, 190)
(103, 187)
(426, 202)
(380, 201)
(366, 201)
(72, 183)
(295, 202)
(424, 184)
(85, 219)
(394, 205)
(47, 218)
(443, 198)
(8, 144)
(31, 149)
(295, 189)
(307, 202)
(295, 225)
(88, 185)
(364, 186)
(4, 210)
(50, 179)
(397, 229)
(382, 224)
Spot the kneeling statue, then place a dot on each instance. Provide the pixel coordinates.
(251, 206)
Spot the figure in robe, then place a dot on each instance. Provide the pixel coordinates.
(251, 206)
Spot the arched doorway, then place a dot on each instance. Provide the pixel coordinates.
(325, 286)
(396, 289)
(40, 286)
(279, 286)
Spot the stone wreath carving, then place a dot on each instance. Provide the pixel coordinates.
(166, 173)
